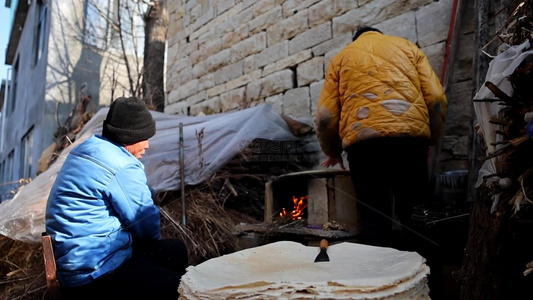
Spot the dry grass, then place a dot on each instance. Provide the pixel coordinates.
(21, 270)
(209, 230)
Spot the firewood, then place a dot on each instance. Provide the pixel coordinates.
(297, 128)
(498, 93)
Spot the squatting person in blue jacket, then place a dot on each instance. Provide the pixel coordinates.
(102, 220)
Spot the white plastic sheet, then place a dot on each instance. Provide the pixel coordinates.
(224, 135)
(500, 68)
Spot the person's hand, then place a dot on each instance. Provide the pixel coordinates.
(332, 161)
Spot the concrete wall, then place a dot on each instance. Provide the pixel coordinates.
(225, 55)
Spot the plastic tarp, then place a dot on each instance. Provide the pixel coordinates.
(224, 136)
(500, 68)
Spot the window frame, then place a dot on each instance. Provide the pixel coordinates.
(41, 15)
(13, 88)
(25, 158)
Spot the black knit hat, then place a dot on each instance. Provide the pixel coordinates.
(128, 121)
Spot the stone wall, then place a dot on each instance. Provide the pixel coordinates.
(226, 55)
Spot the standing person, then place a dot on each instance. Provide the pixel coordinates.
(383, 104)
(102, 220)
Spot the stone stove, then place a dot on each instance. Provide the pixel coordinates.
(330, 196)
(330, 214)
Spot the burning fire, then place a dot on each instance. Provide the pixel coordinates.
(297, 213)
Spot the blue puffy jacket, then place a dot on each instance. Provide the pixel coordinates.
(98, 203)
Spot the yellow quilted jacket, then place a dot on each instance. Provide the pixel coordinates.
(379, 86)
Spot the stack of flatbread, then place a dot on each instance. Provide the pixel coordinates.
(286, 270)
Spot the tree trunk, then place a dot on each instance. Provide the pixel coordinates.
(482, 270)
(476, 260)
(156, 26)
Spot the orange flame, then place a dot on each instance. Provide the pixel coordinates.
(300, 204)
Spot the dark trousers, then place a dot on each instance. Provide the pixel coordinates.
(390, 177)
(153, 272)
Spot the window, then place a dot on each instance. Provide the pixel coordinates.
(39, 33)
(13, 89)
(96, 24)
(113, 37)
(8, 175)
(3, 180)
(2, 167)
(7, 178)
(26, 147)
(102, 18)
(7, 97)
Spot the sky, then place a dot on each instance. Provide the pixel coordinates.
(4, 36)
